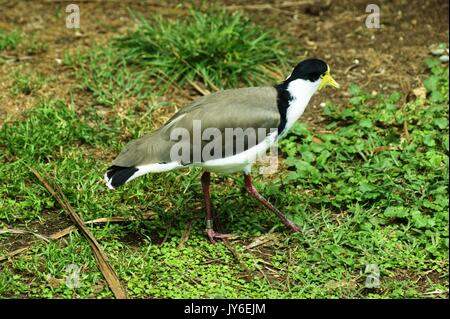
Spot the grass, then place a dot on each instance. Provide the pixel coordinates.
(370, 188)
(219, 48)
(30, 45)
(35, 46)
(25, 82)
(9, 40)
(106, 75)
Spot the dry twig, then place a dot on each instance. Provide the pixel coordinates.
(66, 231)
(102, 260)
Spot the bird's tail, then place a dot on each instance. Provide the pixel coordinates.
(118, 175)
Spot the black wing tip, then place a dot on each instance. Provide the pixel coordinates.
(118, 175)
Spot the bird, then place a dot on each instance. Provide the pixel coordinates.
(199, 134)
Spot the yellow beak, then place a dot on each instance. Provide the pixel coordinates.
(328, 80)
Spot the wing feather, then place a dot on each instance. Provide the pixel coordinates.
(247, 108)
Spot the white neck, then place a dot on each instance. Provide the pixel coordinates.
(301, 92)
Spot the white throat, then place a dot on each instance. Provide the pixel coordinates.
(301, 92)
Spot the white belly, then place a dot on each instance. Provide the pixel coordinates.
(239, 162)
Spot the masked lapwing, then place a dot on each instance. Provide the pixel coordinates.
(224, 132)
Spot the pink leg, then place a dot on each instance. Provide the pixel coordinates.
(206, 180)
(252, 191)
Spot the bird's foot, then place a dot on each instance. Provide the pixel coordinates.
(213, 235)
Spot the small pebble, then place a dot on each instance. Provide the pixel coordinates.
(374, 93)
(322, 104)
(356, 61)
(58, 61)
(444, 58)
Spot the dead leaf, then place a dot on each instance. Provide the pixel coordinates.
(54, 282)
(420, 93)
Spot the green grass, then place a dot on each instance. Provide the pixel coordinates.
(14, 40)
(9, 40)
(107, 76)
(34, 46)
(25, 82)
(218, 48)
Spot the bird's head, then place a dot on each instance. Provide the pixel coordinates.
(315, 71)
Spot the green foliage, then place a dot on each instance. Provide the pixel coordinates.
(104, 73)
(216, 47)
(47, 127)
(35, 46)
(25, 82)
(46, 272)
(9, 40)
(45, 135)
(437, 83)
(73, 58)
(55, 137)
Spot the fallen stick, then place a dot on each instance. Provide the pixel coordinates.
(201, 90)
(15, 252)
(235, 254)
(263, 6)
(261, 240)
(66, 231)
(185, 236)
(108, 272)
(20, 231)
